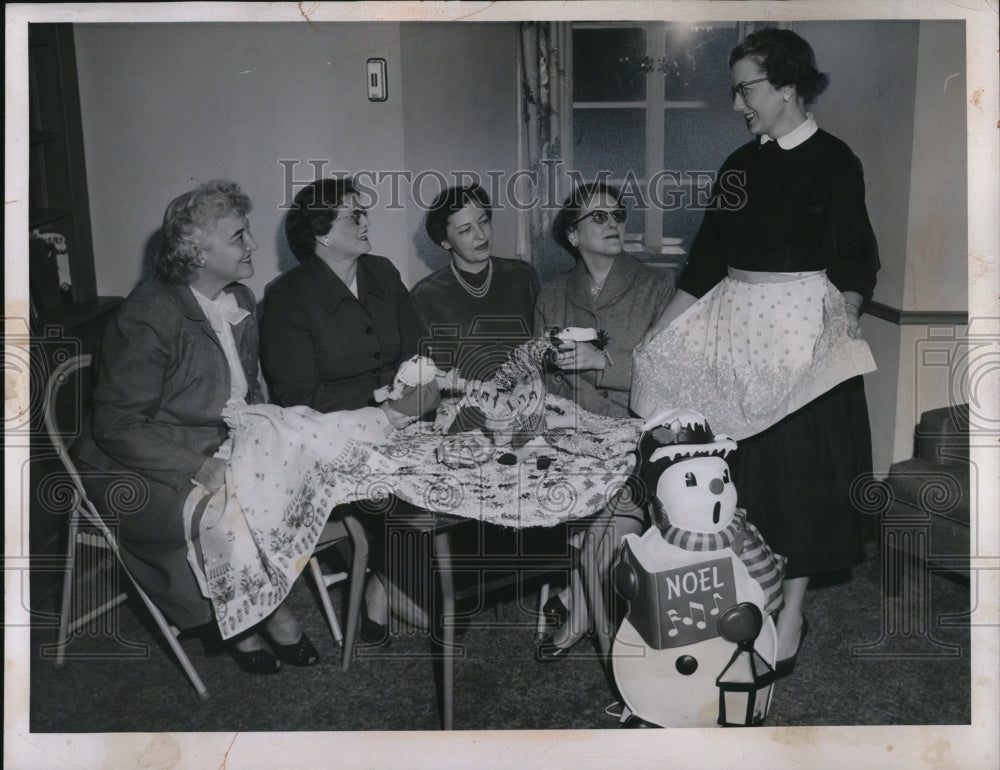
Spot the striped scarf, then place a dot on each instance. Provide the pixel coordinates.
(763, 564)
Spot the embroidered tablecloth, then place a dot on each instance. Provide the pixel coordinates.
(288, 468)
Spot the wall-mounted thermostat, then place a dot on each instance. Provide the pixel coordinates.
(376, 80)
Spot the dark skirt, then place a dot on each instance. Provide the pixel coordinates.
(795, 478)
(152, 541)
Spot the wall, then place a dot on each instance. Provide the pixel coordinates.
(166, 106)
(461, 88)
(932, 357)
(870, 105)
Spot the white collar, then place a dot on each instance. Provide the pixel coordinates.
(796, 136)
(224, 306)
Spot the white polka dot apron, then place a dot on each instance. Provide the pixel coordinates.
(752, 350)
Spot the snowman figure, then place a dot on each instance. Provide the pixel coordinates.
(699, 561)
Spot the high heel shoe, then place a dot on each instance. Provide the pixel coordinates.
(547, 651)
(556, 613)
(785, 667)
(371, 633)
(300, 653)
(259, 662)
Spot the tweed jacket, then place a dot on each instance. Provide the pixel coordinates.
(323, 347)
(162, 383)
(632, 298)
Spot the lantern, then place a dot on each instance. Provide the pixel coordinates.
(745, 683)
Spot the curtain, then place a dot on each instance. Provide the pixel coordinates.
(544, 108)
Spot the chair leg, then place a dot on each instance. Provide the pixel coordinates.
(170, 634)
(442, 551)
(67, 594)
(324, 597)
(543, 598)
(359, 565)
(165, 628)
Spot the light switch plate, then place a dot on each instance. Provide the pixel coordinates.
(375, 71)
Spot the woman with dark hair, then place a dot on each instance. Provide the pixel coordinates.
(611, 291)
(333, 330)
(763, 336)
(181, 348)
(608, 290)
(472, 313)
(336, 327)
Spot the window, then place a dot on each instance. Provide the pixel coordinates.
(652, 110)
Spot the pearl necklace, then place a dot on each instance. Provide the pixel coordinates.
(480, 292)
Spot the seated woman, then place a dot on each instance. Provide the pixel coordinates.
(472, 313)
(336, 328)
(181, 347)
(613, 292)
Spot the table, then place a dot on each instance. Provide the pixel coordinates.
(289, 467)
(591, 459)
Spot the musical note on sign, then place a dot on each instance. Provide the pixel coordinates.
(696, 608)
(716, 598)
(674, 617)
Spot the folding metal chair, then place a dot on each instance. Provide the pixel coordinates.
(87, 528)
(335, 531)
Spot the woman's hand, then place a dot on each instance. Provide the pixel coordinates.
(579, 357)
(852, 307)
(650, 334)
(451, 380)
(212, 474)
(680, 302)
(398, 420)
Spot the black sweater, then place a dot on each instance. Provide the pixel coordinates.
(789, 211)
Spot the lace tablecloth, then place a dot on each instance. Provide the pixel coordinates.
(288, 468)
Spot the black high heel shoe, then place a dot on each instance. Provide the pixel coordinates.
(783, 668)
(300, 653)
(258, 662)
(370, 633)
(556, 613)
(547, 651)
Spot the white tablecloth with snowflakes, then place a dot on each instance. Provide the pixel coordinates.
(288, 468)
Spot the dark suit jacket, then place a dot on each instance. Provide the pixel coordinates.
(162, 382)
(324, 348)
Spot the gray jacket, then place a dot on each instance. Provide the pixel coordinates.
(632, 298)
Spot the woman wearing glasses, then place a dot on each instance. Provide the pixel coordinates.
(335, 328)
(607, 290)
(763, 335)
(610, 291)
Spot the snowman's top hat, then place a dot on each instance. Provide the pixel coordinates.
(680, 434)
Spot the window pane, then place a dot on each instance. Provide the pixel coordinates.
(700, 139)
(608, 140)
(606, 64)
(680, 225)
(696, 62)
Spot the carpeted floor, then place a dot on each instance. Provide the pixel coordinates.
(866, 661)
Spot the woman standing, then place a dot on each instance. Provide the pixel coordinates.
(333, 330)
(613, 292)
(180, 348)
(763, 335)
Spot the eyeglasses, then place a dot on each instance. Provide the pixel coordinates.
(600, 216)
(356, 215)
(741, 88)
